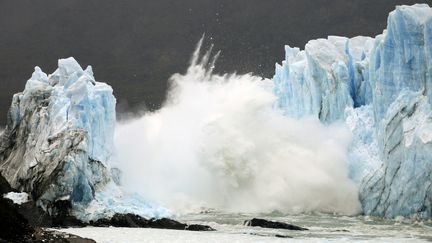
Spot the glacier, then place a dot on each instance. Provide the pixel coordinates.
(381, 88)
(58, 142)
(58, 145)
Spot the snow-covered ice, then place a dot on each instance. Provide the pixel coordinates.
(17, 197)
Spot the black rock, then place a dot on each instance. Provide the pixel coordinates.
(199, 227)
(129, 220)
(122, 220)
(42, 236)
(101, 223)
(21, 223)
(35, 215)
(135, 221)
(165, 223)
(13, 226)
(62, 217)
(4, 186)
(282, 236)
(28, 216)
(271, 224)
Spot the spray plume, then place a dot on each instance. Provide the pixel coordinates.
(218, 143)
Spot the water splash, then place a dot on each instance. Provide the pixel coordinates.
(218, 143)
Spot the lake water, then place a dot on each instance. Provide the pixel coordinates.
(230, 228)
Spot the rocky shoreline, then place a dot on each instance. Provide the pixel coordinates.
(26, 222)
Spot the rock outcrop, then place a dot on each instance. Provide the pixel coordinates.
(20, 224)
(255, 222)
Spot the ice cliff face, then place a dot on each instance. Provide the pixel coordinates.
(51, 147)
(58, 142)
(323, 79)
(402, 186)
(381, 88)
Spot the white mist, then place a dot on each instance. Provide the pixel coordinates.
(218, 143)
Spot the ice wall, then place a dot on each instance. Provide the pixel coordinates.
(381, 89)
(402, 57)
(58, 139)
(323, 79)
(58, 142)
